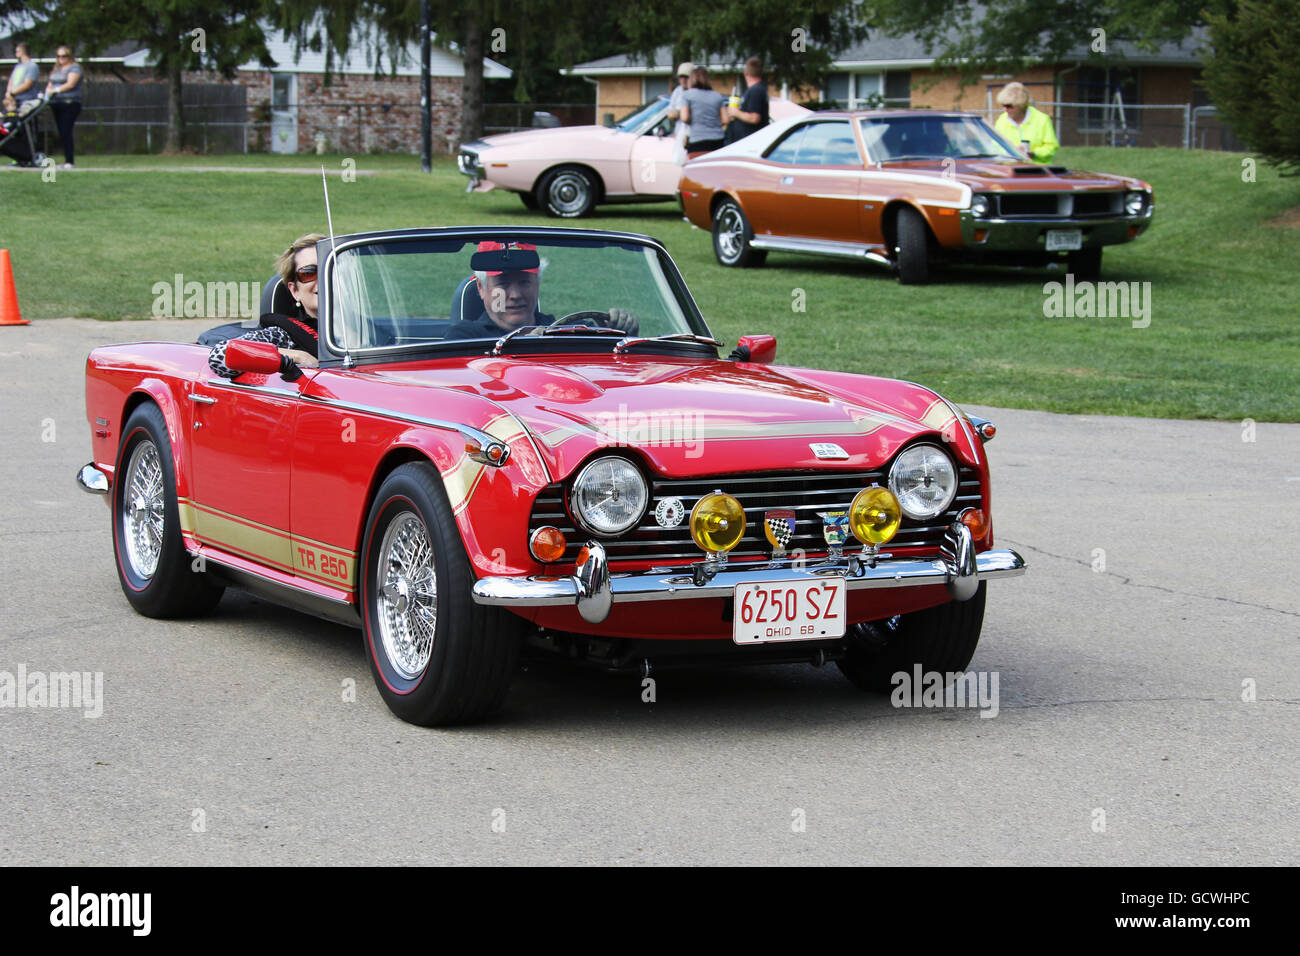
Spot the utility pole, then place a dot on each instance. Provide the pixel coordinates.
(426, 91)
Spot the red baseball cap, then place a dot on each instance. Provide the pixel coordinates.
(527, 261)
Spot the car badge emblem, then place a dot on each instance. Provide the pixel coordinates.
(669, 512)
(778, 527)
(835, 529)
(828, 450)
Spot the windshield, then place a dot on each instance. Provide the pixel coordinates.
(417, 291)
(645, 116)
(926, 137)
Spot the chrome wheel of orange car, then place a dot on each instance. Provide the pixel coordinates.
(732, 235)
(407, 591)
(436, 656)
(155, 571)
(568, 192)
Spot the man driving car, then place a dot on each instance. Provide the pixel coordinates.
(508, 278)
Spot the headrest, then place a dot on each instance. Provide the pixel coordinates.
(277, 298)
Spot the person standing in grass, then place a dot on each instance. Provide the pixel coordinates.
(702, 110)
(1029, 131)
(22, 81)
(64, 93)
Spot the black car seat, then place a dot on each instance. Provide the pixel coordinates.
(275, 298)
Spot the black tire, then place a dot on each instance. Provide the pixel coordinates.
(568, 192)
(145, 476)
(940, 639)
(912, 247)
(529, 200)
(732, 236)
(1085, 264)
(464, 673)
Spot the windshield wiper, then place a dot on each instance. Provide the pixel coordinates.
(904, 159)
(982, 155)
(626, 343)
(576, 329)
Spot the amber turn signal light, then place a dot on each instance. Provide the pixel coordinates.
(976, 521)
(547, 544)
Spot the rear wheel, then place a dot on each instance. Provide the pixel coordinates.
(567, 192)
(732, 236)
(939, 639)
(1085, 264)
(912, 247)
(154, 568)
(436, 656)
(529, 200)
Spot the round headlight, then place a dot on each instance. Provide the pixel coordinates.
(609, 496)
(1133, 203)
(874, 516)
(924, 481)
(717, 522)
(979, 206)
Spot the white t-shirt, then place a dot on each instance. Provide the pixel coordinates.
(675, 102)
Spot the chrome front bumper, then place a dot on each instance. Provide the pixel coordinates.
(1029, 235)
(93, 480)
(594, 590)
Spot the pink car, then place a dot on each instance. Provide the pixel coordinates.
(568, 171)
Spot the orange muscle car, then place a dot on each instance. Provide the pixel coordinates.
(908, 189)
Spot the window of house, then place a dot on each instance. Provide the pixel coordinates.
(1096, 87)
(858, 91)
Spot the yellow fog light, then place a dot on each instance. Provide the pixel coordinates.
(874, 516)
(717, 522)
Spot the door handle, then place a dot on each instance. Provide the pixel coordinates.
(787, 180)
(202, 399)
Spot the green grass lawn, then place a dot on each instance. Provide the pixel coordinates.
(1222, 341)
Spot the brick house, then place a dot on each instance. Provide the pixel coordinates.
(898, 72)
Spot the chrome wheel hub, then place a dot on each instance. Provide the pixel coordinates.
(406, 595)
(731, 233)
(569, 193)
(144, 510)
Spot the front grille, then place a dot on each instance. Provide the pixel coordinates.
(1098, 204)
(804, 493)
(1060, 205)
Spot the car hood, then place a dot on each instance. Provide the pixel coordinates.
(687, 417)
(537, 136)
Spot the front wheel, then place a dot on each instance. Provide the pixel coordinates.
(1085, 264)
(567, 192)
(940, 639)
(912, 248)
(732, 236)
(155, 570)
(436, 656)
(529, 200)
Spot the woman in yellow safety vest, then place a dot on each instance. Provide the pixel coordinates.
(1025, 128)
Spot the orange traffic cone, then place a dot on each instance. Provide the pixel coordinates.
(9, 314)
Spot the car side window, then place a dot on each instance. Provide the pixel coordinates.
(829, 144)
(787, 150)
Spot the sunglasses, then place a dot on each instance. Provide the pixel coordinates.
(306, 274)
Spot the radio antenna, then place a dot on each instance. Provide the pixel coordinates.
(348, 361)
(328, 218)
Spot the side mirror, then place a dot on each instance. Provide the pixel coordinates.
(760, 348)
(660, 131)
(262, 358)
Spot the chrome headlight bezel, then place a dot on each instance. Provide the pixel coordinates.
(981, 205)
(906, 494)
(624, 471)
(1135, 203)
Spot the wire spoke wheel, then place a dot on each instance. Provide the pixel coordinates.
(407, 594)
(144, 511)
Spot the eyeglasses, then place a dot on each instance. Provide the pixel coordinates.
(63, 56)
(306, 274)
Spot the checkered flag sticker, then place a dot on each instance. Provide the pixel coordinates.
(778, 527)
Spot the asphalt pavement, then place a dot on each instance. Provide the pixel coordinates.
(1147, 674)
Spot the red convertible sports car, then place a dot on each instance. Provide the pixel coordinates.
(595, 482)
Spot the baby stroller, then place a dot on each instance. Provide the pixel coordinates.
(18, 132)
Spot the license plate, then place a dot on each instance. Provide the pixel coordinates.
(1063, 240)
(788, 611)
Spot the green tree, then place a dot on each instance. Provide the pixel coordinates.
(795, 39)
(971, 37)
(1253, 76)
(180, 34)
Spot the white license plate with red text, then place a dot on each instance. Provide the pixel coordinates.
(788, 611)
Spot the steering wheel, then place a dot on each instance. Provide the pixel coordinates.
(590, 317)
